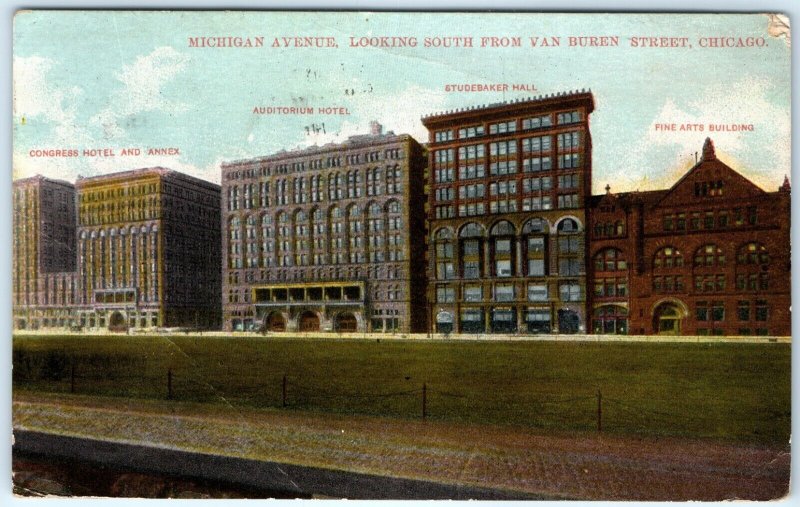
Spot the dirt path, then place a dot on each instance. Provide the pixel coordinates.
(588, 466)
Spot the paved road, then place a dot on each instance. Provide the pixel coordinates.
(260, 475)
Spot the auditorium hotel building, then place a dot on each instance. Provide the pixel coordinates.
(130, 250)
(326, 238)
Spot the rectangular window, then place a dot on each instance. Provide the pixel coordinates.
(568, 201)
(568, 117)
(569, 267)
(537, 144)
(503, 246)
(445, 294)
(762, 311)
(535, 267)
(701, 311)
(570, 292)
(536, 164)
(569, 161)
(503, 268)
(472, 269)
(537, 122)
(537, 292)
(473, 293)
(743, 310)
(504, 293)
(502, 128)
(717, 311)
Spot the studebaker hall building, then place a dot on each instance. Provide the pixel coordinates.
(328, 238)
(508, 187)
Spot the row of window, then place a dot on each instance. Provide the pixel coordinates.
(711, 283)
(710, 220)
(528, 123)
(714, 311)
(320, 163)
(568, 291)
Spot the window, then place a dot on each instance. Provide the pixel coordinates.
(537, 144)
(569, 160)
(743, 310)
(503, 127)
(717, 311)
(536, 164)
(568, 201)
(502, 148)
(467, 132)
(537, 122)
(667, 257)
(570, 291)
(537, 203)
(503, 268)
(473, 293)
(610, 259)
(444, 194)
(536, 184)
(537, 292)
(701, 311)
(567, 181)
(709, 255)
(503, 168)
(443, 135)
(471, 191)
(568, 117)
(568, 141)
(752, 253)
(762, 311)
(472, 269)
(445, 294)
(504, 293)
(502, 188)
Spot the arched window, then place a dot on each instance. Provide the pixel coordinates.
(568, 226)
(752, 253)
(471, 230)
(667, 257)
(569, 247)
(535, 243)
(709, 255)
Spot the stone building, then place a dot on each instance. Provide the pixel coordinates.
(508, 184)
(148, 250)
(43, 253)
(708, 256)
(328, 238)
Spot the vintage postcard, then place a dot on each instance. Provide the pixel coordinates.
(398, 255)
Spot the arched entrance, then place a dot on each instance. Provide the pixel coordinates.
(308, 322)
(117, 323)
(444, 322)
(568, 322)
(667, 319)
(345, 323)
(276, 322)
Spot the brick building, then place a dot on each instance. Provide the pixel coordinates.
(43, 245)
(326, 238)
(148, 250)
(708, 256)
(508, 184)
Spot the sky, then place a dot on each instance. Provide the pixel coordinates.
(117, 80)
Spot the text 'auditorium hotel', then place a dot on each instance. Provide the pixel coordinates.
(488, 227)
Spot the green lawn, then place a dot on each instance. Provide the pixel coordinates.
(737, 392)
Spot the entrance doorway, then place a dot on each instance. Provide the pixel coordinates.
(276, 322)
(117, 323)
(346, 323)
(568, 322)
(309, 322)
(667, 319)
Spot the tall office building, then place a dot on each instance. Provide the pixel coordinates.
(328, 238)
(148, 250)
(508, 185)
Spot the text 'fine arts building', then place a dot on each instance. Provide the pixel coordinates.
(328, 238)
(508, 185)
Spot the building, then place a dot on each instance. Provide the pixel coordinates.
(708, 256)
(326, 238)
(508, 184)
(148, 250)
(43, 246)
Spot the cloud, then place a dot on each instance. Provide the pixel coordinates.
(758, 153)
(142, 91)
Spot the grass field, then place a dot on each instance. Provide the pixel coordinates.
(734, 392)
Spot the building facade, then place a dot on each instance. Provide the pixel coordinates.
(148, 250)
(508, 185)
(326, 238)
(708, 256)
(43, 246)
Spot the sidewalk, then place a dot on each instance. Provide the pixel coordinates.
(588, 466)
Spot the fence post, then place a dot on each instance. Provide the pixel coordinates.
(424, 401)
(72, 379)
(283, 392)
(599, 411)
(169, 384)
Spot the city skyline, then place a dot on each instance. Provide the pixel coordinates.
(150, 89)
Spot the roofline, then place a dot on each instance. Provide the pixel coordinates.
(40, 178)
(352, 142)
(513, 104)
(146, 171)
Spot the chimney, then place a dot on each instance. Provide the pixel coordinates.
(375, 128)
(708, 150)
(786, 187)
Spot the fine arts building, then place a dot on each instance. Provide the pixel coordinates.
(708, 256)
(326, 238)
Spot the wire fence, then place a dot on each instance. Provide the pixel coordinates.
(590, 409)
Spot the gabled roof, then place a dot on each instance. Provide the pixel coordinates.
(707, 172)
